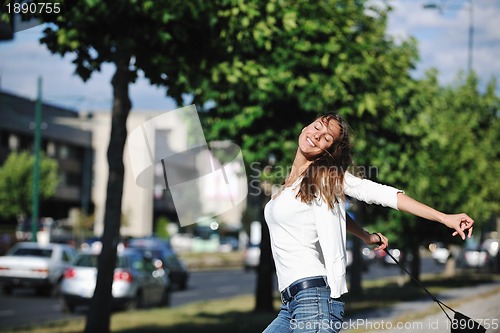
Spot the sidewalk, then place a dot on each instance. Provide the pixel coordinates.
(481, 303)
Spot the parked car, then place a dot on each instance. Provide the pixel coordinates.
(159, 249)
(29, 264)
(439, 253)
(396, 253)
(251, 256)
(136, 281)
(367, 255)
(474, 256)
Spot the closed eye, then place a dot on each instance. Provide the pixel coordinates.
(319, 124)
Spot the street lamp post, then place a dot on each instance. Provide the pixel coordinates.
(471, 26)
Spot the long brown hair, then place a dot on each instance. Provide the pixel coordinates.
(324, 177)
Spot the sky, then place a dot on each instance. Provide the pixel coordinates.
(442, 35)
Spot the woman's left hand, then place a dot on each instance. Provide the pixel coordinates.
(378, 239)
(462, 223)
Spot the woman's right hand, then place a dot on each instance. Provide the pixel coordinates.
(378, 239)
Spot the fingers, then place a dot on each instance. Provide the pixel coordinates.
(470, 232)
(467, 219)
(462, 223)
(460, 232)
(382, 241)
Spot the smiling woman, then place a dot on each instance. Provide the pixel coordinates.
(308, 222)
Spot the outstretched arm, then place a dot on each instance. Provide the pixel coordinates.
(460, 222)
(365, 236)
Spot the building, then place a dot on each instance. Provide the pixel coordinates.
(79, 142)
(142, 206)
(69, 145)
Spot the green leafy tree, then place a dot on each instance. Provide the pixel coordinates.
(294, 60)
(161, 227)
(16, 183)
(447, 158)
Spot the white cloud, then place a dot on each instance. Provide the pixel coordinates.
(443, 36)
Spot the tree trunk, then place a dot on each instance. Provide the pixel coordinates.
(414, 259)
(98, 318)
(265, 270)
(356, 269)
(415, 262)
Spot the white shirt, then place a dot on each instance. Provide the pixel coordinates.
(309, 239)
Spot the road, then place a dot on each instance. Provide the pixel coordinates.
(25, 308)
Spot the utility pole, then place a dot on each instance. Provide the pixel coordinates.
(470, 43)
(36, 168)
(471, 36)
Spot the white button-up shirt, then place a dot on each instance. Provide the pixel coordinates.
(310, 239)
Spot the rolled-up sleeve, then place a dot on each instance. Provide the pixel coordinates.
(371, 192)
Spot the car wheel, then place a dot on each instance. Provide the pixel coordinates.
(56, 289)
(43, 291)
(66, 306)
(166, 298)
(135, 303)
(183, 285)
(7, 290)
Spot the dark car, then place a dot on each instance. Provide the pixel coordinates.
(160, 249)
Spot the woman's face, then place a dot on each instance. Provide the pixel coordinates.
(318, 136)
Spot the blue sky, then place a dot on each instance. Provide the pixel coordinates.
(442, 37)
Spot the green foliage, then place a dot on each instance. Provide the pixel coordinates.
(161, 227)
(446, 157)
(16, 183)
(170, 42)
(457, 159)
(295, 60)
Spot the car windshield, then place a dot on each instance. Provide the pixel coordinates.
(45, 253)
(90, 260)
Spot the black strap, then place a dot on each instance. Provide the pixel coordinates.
(416, 281)
(462, 322)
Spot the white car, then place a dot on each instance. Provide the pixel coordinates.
(440, 254)
(396, 254)
(251, 257)
(137, 281)
(29, 264)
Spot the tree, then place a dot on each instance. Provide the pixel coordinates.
(447, 160)
(16, 183)
(169, 42)
(293, 60)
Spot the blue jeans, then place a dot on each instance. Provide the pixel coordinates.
(312, 310)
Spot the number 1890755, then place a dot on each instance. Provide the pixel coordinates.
(33, 8)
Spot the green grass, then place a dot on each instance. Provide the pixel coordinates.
(236, 314)
(212, 261)
(222, 316)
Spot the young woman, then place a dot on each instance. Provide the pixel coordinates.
(308, 223)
